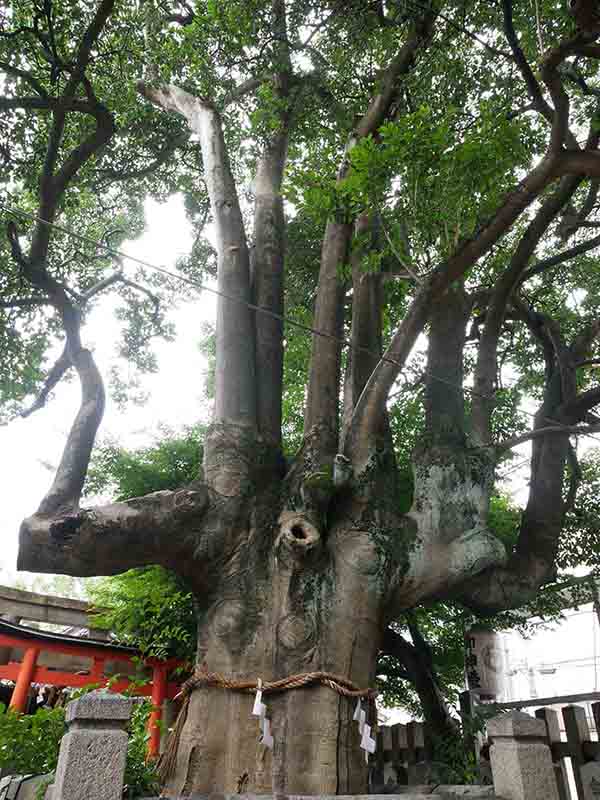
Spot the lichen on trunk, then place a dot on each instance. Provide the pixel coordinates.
(283, 603)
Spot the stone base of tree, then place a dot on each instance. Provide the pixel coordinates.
(407, 793)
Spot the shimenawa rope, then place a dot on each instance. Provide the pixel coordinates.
(202, 677)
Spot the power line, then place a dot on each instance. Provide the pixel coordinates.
(252, 306)
(203, 287)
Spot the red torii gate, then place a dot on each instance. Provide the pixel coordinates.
(33, 642)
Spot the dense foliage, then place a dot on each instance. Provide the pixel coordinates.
(459, 139)
(29, 743)
(150, 609)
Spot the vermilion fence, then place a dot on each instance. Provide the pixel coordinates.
(31, 644)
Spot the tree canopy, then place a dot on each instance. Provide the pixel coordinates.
(401, 198)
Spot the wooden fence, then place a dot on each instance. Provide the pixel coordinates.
(399, 749)
(582, 745)
(404, 752)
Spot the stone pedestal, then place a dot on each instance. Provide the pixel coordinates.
(590, 778)
(520, 757)
(92, 754)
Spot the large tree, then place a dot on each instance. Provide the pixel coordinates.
(440, 156)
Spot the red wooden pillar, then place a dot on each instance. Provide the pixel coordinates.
(18, 701)
(97, 671)
(159, 694)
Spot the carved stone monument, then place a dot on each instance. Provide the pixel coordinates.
(521, 761)
(92, 755)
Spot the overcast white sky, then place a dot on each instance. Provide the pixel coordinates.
(30, 446)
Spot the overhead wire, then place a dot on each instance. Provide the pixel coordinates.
(240, 301)
(121, 254)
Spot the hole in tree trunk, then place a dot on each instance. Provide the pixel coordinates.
(298, 532)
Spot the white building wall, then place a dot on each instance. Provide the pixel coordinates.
(557, 660)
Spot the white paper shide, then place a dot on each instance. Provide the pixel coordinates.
(259, 710)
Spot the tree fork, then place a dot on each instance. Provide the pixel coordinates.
(452, 482)
(322, 406)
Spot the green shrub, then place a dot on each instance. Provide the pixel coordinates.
(29, 744)
(140, 775)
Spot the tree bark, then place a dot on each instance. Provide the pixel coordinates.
(267, 259)
(268, 248)
(444, 395)
(235, 379)
(322, 402)
(367, 304)
(452, 482)
(322, 399)
(304, 571)
(281, 608)
(533, 561)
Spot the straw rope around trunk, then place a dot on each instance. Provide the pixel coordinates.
(203, 678)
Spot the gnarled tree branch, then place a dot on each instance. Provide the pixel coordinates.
(25, 302)
(374, 396)
(110, 539)
(571, 430)
(487, 361)
(533, 87)
(560, 258)
(417, 661)
(533, 562)
(60, 367)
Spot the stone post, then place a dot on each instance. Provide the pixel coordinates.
(521, 761)
(92, 754)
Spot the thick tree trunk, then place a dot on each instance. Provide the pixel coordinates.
(288, 600)
(297, 588)
(316, 744)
